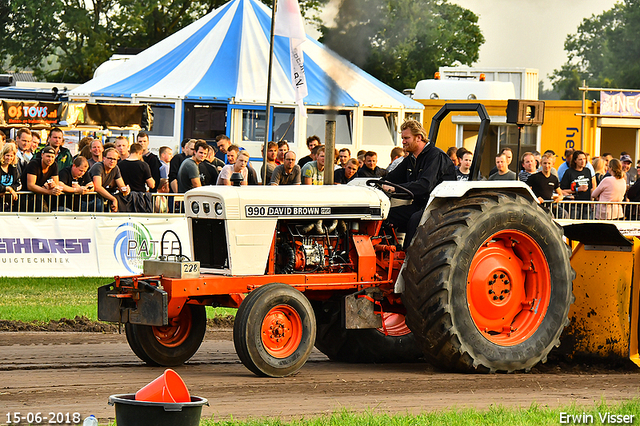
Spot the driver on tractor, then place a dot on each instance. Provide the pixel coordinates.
(420, 172)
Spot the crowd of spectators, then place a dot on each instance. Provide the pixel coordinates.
(604, 179)
(120, 177)
(123, 176)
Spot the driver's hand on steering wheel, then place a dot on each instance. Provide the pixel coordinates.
(388, 188)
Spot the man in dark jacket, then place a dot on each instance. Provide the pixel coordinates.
(346, 174)
(187, 151)
(149, 157)
(370, 167)
(63, 155)
(421, 171)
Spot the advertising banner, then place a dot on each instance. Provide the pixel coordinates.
(618, 103)
(124, 243)
(73, 245)
(134, 117)
(31, 113)
(36, 114)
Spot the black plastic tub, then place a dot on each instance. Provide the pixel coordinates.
(130, 412)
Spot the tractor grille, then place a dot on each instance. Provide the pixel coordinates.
(210, 243)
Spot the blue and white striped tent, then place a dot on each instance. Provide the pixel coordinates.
(223, 57)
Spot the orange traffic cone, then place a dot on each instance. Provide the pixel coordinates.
(167, 388)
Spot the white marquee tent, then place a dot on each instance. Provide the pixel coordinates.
(211, 77)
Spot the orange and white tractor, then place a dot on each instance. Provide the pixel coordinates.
(485, 285)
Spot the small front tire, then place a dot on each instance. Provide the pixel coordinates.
(274, 330)
(173, 344)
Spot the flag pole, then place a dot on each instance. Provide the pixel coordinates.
(267, 120)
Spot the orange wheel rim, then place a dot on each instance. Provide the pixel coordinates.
(281, 331)
(394, 325)
(508, 288)
(177, 331)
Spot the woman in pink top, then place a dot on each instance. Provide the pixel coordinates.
(612, 188)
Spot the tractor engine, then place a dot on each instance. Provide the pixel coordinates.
(287, 230)
(312, 246)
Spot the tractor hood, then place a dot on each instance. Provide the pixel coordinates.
(300, 201)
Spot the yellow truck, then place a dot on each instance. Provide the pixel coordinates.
(595, 127)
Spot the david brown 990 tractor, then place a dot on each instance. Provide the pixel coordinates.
(486, 284)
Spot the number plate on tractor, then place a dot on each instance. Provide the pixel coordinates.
(172, 269)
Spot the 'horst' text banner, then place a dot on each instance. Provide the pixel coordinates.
(66, 246)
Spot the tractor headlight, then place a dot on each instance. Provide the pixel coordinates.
(206, 207)
(218, 209)
(195, 207)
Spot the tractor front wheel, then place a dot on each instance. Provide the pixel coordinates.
(173, 344)
(134, 343)
(274, 330)
(488, 284)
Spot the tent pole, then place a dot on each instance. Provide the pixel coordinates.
(267, 120)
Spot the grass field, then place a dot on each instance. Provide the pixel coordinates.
(45, 299)
(534, 415)
(494, 416)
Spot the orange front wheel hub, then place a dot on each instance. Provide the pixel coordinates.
(281, 331)
(176, 332)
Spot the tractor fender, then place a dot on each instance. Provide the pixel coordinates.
(455, 189)
(444, 192)
(448, 190)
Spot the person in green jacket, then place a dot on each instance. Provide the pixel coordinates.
(55, 140)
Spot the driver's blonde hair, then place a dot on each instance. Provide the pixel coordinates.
(416, 129)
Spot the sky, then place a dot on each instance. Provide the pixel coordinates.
(523, 33)
(529, 33)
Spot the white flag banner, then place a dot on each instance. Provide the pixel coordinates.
(289, 21)
(289, 24)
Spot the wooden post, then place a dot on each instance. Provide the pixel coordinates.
(329, 150)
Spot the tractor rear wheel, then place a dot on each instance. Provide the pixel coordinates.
(274, 330)
(367, 345)
(173, 344)
(480, 292)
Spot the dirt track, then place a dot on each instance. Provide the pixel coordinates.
(76, 372)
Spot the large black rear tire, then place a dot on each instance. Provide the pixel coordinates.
(363, 346)
(488, 284)
(173, 344)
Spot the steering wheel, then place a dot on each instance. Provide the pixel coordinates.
(401, 193)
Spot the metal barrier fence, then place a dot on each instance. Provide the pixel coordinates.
(29, 202)
(594, 210)
(174, 203)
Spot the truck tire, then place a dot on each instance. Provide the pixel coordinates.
(274, 330)
(173, 344)
(367, 345)
(480, 293)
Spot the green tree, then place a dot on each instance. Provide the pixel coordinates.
(403, 41)
(605, 52)
(546, 95)
(66, 40)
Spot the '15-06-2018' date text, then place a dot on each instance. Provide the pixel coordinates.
(43, 418)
